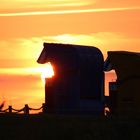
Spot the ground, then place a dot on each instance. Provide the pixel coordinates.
(33, 127)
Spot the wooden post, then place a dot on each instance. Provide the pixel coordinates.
(26, 109)
(10, 109)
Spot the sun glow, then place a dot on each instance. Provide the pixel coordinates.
(47, 71)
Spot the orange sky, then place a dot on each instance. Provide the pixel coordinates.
(25, 25)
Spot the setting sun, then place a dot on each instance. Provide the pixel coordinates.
(47, 71)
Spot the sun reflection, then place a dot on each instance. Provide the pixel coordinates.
(47, 71)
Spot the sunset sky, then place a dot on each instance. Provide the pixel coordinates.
(26, 24)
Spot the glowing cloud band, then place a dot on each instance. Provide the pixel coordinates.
(35, 13)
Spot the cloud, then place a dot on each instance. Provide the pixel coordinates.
(30, 48)
(22, 5)
(22, 71)
(23, 48)
(67, 11)
(106, 41)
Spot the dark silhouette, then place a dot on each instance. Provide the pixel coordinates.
(2, 105)
(78, 83)
(125, 92)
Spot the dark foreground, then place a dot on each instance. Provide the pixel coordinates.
(53, 127)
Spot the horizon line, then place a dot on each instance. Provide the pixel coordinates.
(36, 13)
